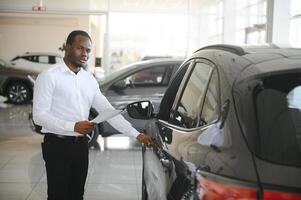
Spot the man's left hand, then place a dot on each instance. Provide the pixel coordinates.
(145, 139)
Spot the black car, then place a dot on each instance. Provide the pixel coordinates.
(228, 127)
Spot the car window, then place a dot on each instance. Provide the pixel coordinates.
(52, 60)
(170, 94)
(150, 76)
(30, 58)
(210, 110)
(43, 59)
(272, 120)
(187, 112)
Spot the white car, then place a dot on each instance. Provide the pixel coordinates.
(36, 61)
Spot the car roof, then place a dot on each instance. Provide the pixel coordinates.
(39, 54)
(262, 59)
(148, 63)
(125, 70)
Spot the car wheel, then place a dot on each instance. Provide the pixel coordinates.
(18, 92)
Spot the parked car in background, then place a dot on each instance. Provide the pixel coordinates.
(36, 61)
(14, 83)
(228, 127)
(123, 87)
(142, 80)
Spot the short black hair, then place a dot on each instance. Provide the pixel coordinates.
(74, 33)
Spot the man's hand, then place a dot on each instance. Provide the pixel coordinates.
(145, 139)
(84, 127)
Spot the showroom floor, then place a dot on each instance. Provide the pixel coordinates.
(114, 170)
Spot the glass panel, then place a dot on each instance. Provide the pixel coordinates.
(295, 32)
(43, 59)
(269, 109)
(295, 7)
(148, 76)
(187, 112)
(210, 109)
(251, 17)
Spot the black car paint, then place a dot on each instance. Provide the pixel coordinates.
(170, 172)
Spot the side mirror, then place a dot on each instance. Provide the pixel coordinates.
(120, 85)
(140, 110)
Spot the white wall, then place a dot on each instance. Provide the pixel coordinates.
(20, 33)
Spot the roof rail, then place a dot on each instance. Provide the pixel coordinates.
(225, 47)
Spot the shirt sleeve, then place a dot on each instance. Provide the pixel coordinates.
(42, 98)
(100, 103)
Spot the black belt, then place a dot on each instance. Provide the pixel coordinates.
(68, 138)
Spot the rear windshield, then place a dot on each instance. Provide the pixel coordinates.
(269, 109)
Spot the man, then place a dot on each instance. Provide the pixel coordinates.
(63, 96)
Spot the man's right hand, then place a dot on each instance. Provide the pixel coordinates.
(84, 127)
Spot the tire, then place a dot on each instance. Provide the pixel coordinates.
(18, 92)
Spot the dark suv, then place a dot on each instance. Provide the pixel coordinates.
(228, 127)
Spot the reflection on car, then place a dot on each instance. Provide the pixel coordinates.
(228, 127)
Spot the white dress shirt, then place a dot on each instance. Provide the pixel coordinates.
(62, 98)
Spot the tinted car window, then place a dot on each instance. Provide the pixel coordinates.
(31, 58)
(188, 109)
(275, 134)
(52, 60)
(152, 75)
(170, 94)
(210, 109)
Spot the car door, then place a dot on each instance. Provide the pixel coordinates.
(147, 84)
(179, 133)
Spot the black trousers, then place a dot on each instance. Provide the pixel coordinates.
(66, 162)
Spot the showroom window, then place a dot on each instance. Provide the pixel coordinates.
(216, 23)
(251, 21)
(295, 25)
(136, 35)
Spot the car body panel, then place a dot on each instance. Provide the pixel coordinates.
(8, 73)
(219, 151)
(36, 61)
(273, 174)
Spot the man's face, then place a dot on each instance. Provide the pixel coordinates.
(78, 52)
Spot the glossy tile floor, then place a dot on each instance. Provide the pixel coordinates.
(114, 170)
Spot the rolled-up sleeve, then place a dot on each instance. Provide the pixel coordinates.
(42, 99)
(100, 103)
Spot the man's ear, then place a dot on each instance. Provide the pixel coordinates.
(66, 47)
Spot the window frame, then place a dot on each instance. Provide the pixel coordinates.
(182, 89)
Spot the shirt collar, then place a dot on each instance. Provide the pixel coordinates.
(65, 68)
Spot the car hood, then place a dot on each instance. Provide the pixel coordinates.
(16, 71)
